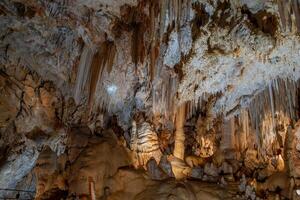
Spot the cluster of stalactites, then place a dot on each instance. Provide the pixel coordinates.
(289, 14)
(163, 14)
(276, 106)
(196, 104)
(163, 98)
(176, 11)
(90, 70)
(165, 82)
(265, 119)
(103, 59)
(83, 72)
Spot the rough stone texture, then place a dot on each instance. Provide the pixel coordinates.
(124, 182)
(217, 83)
(93, 162)
(144, 144)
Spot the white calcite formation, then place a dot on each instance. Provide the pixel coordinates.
(99, 98)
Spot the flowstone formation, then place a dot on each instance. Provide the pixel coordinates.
(149, 99)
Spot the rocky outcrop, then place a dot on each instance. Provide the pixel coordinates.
(83, 170)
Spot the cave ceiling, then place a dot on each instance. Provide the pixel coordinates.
(149, 70)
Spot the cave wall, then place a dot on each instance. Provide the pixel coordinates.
(116, 99)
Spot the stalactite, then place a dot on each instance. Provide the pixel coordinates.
(164, 93)
(154, 46)
(96, 70)
(286, 9)
(272, 107)
(228, 133)
(172, 14)
(288, 14)
(111, 56)
(154, 12)
(83, 72)
(173, 11)
(153, 59)
(295, 7)
(103, 58)
(281, 13)
(245, 131)
(138, 46)
(163, 17)
(268, 109)
(281, 95)
(268, 133)
(189, 109)
(245, 122)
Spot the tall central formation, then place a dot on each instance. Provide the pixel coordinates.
(179, 133)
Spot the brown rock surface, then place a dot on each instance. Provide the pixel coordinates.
(149, 99)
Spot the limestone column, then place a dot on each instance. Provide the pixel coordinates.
(179, 133)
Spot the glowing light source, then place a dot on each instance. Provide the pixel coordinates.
(111, 89)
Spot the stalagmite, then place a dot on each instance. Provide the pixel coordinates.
(280, 163)
(207, 149)
(289, 152)
(144, 143)
(179, 133)
(195, 161)
(179, 168)
(92, 188)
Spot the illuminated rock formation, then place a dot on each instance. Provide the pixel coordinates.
(150, 99)
(144, 144)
